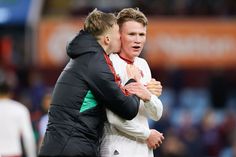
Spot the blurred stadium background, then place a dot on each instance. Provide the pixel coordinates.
(191, 49)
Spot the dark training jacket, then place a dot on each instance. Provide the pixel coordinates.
(85, 87)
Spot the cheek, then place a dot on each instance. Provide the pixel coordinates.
(124, 44)
(126, 41)
(144, 40)
(118, 38)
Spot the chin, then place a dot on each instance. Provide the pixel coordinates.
(136, 54)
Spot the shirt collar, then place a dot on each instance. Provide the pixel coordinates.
(126, 60)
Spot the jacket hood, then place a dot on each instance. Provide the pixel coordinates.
(83, 43)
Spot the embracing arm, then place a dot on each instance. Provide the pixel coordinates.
(105, 86)
(128, 127)
(152, 104)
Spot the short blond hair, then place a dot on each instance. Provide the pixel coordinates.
(131, 14)
(98, 22)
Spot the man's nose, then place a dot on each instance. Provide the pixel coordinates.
(137, 38)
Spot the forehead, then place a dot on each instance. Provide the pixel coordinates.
(133, 26)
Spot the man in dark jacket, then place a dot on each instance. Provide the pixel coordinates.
(86, 86)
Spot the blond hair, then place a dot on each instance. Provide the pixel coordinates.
(131, 14)
(98, 22)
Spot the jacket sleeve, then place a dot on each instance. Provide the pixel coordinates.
(101, 81)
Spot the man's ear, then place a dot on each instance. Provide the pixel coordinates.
(107, 40)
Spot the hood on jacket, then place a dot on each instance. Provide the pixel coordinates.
(83, 43)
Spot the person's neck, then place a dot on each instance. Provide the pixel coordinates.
(126, 58)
